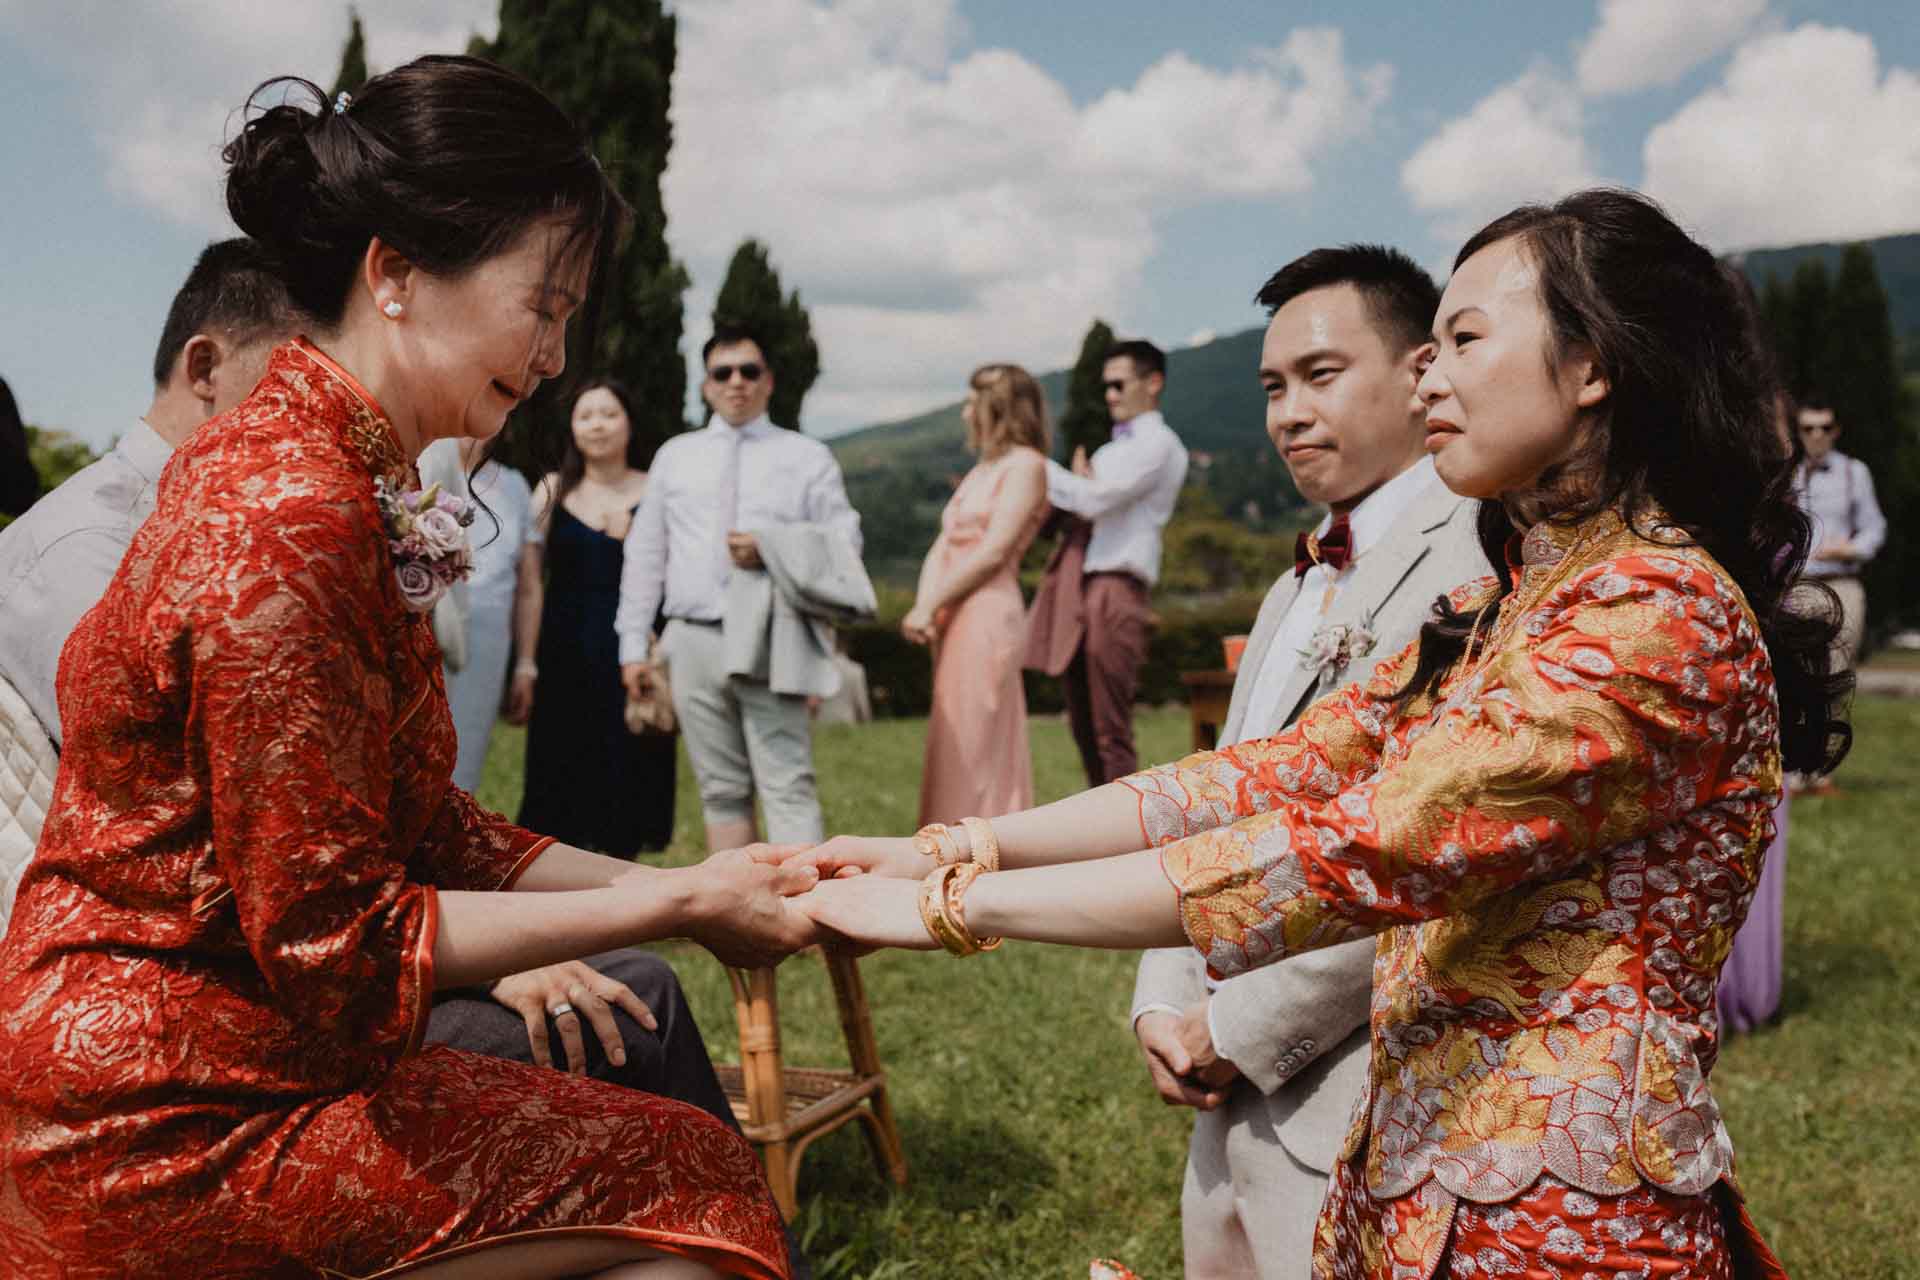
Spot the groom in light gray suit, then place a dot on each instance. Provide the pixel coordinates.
(1274, 1061)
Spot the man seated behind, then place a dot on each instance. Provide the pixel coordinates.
(56, 562)
(1275, 1060)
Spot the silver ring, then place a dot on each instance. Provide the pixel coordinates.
(557, 1010)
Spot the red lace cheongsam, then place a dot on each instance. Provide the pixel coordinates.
(220, 963)
(1555, 850)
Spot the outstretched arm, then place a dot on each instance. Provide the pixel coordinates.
(1123, 903)
(1642, 700)
(1336, 743)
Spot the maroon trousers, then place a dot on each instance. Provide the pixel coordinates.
(1100, 682)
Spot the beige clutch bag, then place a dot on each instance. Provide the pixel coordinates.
(652, 712)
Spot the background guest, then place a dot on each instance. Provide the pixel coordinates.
(1848, 529)
(590, 780)
(695, 549)
(506, 555)
(1128, 490)
(968, 606)
(19, 482)
(1749, 993)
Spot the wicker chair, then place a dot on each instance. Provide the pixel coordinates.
(783, 1109)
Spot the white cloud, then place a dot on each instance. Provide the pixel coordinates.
(1804, 139)
(937, 204)
(165, 80)
(940, 207)
(1521, 142)
(1642, 44)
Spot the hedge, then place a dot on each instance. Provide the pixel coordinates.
(1186, 638)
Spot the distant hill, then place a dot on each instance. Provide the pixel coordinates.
(899, 474)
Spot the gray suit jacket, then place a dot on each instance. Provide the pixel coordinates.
(1301, 1025)
(779, 622)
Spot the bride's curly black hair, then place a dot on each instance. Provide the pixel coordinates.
(1688, 438)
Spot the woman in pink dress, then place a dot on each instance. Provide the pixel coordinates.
(968, 607)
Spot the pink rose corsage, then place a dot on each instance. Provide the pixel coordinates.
(427, 533)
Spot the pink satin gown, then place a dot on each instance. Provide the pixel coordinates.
(978, 764)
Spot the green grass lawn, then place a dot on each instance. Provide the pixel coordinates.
(1033, 1139)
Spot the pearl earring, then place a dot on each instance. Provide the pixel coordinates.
(393, 310)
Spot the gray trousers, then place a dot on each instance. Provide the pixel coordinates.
(742, 738)
(1248, 1206)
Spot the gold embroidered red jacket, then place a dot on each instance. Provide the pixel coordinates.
(1556, 849)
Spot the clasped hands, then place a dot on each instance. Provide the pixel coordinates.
(857, 891)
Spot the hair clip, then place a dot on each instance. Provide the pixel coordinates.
(341, 102)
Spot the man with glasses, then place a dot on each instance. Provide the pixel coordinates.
(708, 493)
(1128, 490)
(1848, 529)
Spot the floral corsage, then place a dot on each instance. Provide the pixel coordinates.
(427, 533)
(1338, 645)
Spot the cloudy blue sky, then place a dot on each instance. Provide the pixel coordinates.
(952, 181)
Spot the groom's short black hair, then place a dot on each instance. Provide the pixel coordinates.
(235, 286)
(1400, 295)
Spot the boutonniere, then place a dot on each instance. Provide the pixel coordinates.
(427, 533)
(1338, 645)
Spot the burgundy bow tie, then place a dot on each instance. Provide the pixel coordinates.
(1333, 549)
(1121, 430)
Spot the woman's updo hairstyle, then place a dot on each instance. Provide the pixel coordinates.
(1685, 439)
(447, 159)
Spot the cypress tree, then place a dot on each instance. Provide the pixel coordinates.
(1861, 375)
(750, 297)
(353, 57)
(1808, 335)
(1086, 422)
(1776, 313)
(610, 67)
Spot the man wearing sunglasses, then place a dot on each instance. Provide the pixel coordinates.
(1848, 529)
(1127, 490)
(712, 495)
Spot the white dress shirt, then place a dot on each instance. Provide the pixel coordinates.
(57, 559)
(1320, 587)
(675, 550)
(1838, 495)
(1129, 497)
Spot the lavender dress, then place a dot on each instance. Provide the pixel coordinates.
(1750, 981)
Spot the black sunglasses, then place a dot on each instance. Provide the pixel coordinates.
(1114, 384)
(725, 372)
(1824, 428)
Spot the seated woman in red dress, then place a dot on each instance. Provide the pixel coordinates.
(1552, 808)
(256, 872)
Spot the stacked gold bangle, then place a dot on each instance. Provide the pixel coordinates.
(943, 911)
(985, 846)
(936, 840)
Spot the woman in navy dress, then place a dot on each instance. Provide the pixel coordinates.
(589, 779)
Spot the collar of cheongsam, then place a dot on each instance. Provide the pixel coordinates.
(1548, 544)
(364, 423)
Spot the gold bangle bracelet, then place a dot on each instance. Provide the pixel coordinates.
(958, 881)
(937, 841)
(933, 913)
(930, 891)
(986, 846)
